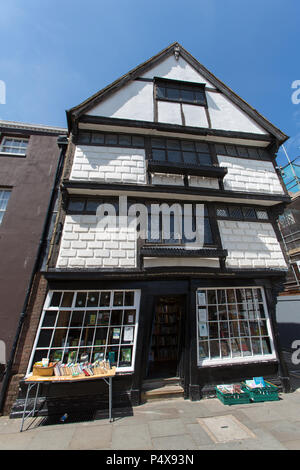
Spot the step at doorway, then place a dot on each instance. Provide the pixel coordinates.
(162, 389)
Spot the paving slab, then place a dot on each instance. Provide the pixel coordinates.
(166, 427)
(131, 437)
(53, 439)
(198, 434)
(179, 442)
(91, 438)
(283, 430)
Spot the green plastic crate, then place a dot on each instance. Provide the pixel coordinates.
(233, 398)
(268, 393)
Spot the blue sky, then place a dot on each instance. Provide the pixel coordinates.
(56, 53)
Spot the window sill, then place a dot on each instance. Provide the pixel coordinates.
(186, 169)
(8, 154)
(238, 360)
(165, 251)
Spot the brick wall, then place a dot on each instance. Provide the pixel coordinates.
(86, 245)
(250, 175)
(109, 164)
(26, 340)
(251, 245)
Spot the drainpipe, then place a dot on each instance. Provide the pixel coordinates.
(62, 142)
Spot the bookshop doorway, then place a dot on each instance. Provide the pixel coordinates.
(167, 338)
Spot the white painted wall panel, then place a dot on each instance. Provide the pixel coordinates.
(252, 176)
(176, 70)
(194, 115)
(134, 101)
(166, 179)
(251, 245)
(85, 245)
(225, 115)
(109, 164)
(169, 112)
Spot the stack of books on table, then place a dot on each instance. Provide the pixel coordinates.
(82, 368)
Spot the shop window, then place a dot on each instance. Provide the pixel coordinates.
(232, 326)
(86, 326)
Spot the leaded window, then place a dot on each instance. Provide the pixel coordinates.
(180, 151)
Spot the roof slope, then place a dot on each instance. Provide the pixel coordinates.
(175, 48)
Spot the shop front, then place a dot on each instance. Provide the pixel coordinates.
(201, 331)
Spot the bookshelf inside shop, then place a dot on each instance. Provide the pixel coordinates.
(165, 335)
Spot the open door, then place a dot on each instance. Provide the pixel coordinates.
(166, 349)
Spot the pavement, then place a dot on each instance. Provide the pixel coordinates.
(175, 424)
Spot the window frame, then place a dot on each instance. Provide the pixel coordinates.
(164, 148)
(180, 86)
(3, 211)
(238, 359)
(17, 138)
(47, 307)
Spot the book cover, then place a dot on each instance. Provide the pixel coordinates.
(126, 355)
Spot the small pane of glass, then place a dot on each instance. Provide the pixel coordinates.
(76, 205)
(105, 299)
(67, 299)
(158, 143)
(103, 317)
(161, 92)
(81, 299)
(116, 317)
(138, 141)
(49, 319)
(242, 151)
(225, 348)
(174, 156)
(187, 95)
(63, 319)
(77, 318)
(190, 157)
(249, 213)
(263, 215)
(129, 299)
(111, 139)
(173, 144)
(129, 317)
(92, 206)
(44, 338)
(173, 94)
(202, 147)
(92, 299)
(126, 356)
(222, 212)
(100, 336)
(55, 300)
(97, 138)
(203, 349)
(159, 155)
(211, 297)
(188, 145)
(235, 212)
(125, 140)
(90, 318)
(59, 338)
(118, 299)
(214, 349)
(231, 150)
